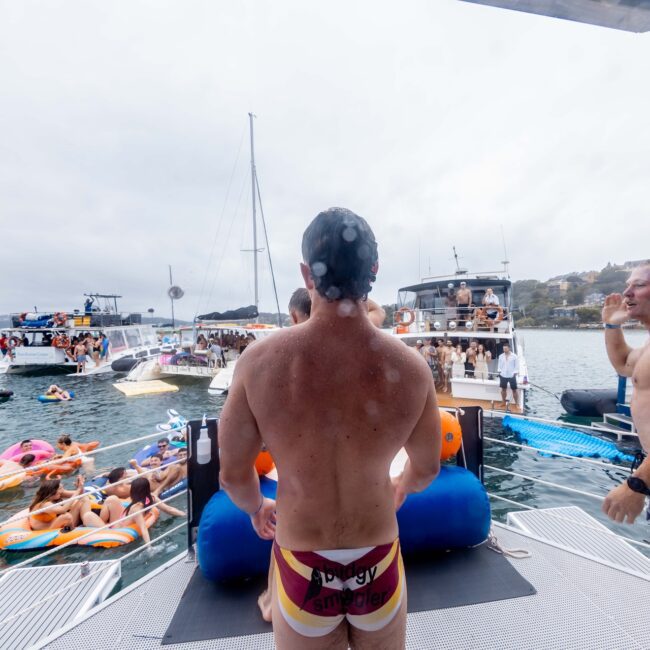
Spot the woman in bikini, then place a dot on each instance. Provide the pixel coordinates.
(65, 444)
(113, 509)
(48, 496)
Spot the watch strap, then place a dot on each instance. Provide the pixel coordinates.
(637, 484)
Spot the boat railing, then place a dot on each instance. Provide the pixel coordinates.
(452, 320)
(558, 486)
(92, 531)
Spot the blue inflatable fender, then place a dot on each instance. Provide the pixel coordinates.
(228, 547)
(453, 512)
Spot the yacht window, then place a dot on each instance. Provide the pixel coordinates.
(140, 355)
(116, 339)
(133, 338)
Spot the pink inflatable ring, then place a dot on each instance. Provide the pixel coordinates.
(41, 449)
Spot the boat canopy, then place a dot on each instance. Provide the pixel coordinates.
(626, 15)
(243, 313)
(471, 281)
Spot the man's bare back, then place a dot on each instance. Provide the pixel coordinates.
(334, 400)
(334, 408)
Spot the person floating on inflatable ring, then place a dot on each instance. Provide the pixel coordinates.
(59, 393)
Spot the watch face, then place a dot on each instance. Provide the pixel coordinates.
(638, 485)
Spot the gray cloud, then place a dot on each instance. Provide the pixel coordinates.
(120, 124)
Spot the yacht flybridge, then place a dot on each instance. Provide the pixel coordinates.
(436, 311)
(42, 342)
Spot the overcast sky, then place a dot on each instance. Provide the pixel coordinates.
(124, 143)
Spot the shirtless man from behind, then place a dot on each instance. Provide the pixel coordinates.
(354, 397)
(625, 502)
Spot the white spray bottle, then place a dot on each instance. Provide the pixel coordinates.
(203, 445)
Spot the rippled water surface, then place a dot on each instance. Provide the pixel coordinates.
(557, 360)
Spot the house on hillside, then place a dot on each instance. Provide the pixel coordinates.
(566, 311)
(594, 299)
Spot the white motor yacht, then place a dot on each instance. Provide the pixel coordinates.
(429, 311)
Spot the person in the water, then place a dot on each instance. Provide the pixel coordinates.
(356, 397)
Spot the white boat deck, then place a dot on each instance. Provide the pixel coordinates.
(572, 528)
(36, 602)
(580, 603)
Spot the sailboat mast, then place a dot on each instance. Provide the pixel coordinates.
(253, 172)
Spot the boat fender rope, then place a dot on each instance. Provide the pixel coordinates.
(515, 553)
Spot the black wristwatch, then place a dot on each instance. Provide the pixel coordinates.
(637, 484)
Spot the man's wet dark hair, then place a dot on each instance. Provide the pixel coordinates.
(27, 460)
(116, 474)
(340, 249)
(300, 302)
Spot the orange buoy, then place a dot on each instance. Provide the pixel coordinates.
(452, 435)
(264, 463)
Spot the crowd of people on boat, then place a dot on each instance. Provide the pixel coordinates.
(216, 345)
(448, 361)
(79, 348)
(460, 307)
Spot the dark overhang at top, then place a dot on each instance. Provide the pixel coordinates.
(627, 15)
(473, 283)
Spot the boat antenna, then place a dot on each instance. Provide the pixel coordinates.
(459, 271)
(505, 260)
(253, 186)
(268, 250)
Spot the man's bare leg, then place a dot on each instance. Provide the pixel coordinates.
(286, 638)
(265, 600)
(392, 637)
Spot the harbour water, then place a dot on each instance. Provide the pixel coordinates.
(557, 360)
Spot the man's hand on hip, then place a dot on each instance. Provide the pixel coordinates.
(264, 519)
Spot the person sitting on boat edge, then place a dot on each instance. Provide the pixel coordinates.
(65, 516)
(330, 494)
(625, 502)
(113, 509)
(58, 392)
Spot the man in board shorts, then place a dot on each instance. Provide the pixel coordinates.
(354, 394)
(508, 369)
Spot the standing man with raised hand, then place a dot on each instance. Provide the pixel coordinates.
(351, 398)
(625, 502)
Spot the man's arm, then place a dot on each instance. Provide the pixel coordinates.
(376, 313)
(423, 450)
(239, 444)
(623, 504)
(618, 351)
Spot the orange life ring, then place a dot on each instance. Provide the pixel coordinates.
(499, 317)
(60, 318)
(61, 341)
(403, 312)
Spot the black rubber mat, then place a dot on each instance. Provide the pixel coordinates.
(463, 577)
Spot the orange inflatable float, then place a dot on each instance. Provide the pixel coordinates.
(65, 467)
(264, 463)
(17, 535)
(452, 435)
